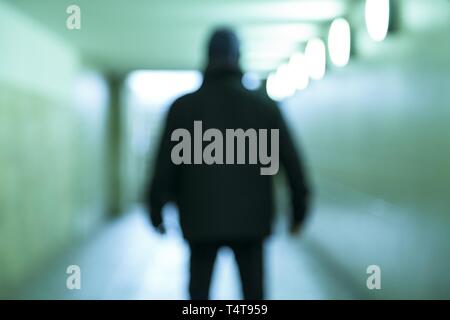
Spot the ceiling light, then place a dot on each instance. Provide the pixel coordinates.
(298, 71)
(377, 18)
(316, 60)
(339, 42)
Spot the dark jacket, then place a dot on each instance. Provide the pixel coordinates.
(224, 202)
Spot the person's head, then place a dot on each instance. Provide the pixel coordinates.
(223, 48)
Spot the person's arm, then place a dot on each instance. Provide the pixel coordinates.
(160, 189)
(291, 161)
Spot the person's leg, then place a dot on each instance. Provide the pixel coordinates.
(202, 260)
(249, 257)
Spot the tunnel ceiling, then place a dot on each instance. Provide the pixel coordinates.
(119, 36)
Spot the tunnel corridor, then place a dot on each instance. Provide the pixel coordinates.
(81, 112)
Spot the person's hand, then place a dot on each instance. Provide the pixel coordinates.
(295, 228)
(161, 229)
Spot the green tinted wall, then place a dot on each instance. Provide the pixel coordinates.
(51, 154)
(376, 137)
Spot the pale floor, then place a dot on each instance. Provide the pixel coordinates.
(128, 260)
(347, 232)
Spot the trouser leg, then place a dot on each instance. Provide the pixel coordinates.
(202, 260)
(249, 257)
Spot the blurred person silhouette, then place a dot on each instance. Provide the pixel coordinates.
(224, 205)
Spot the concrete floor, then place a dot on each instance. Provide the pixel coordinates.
(128, 260)
(347, 232)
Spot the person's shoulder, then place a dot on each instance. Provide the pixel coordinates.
(182, 103)
(264, 107)
(183, 100)
(261, 100)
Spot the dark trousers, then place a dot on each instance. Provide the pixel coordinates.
(249, 258)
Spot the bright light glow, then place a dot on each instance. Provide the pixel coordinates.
(265, 46)
(298, 71)
(377, 18)
(273, 88)
(280, 85)
(316, 59)
(159, 88)
(91, 92)
(339, 42)
(285, 78)
(251, 81)
(289, 77)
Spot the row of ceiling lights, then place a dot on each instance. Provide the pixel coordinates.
(311, 64)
